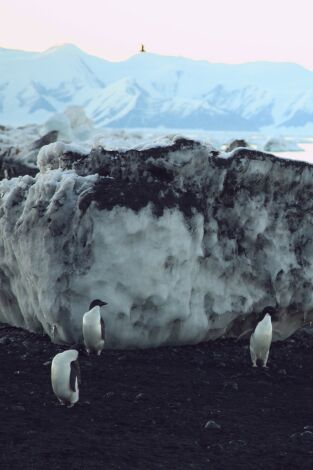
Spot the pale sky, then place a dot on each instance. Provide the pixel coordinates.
(229, 31)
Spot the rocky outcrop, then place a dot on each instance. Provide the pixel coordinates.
(236, 144)
(46, 139)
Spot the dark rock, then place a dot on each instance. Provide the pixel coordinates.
(231, 385)
(5, 340)
(46, 139)
(235, 144)
(216, 448)
(17, 408)
(305, 436)
(212, 425)
(237, 444)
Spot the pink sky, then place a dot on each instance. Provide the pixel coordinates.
(229, 31)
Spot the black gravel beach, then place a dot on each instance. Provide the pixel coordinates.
(201, 407)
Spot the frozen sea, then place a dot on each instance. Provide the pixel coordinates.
(305, 155)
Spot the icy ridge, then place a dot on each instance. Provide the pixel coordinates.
(183, 245)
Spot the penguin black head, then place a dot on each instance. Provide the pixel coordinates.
(97, 302)
(272, 311)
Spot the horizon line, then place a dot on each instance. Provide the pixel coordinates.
(147, 52)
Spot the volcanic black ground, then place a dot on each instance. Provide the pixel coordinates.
(148, 409)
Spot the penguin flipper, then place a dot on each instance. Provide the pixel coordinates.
(74, 374)
(102, 328)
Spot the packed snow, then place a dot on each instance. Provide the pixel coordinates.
(182, 244)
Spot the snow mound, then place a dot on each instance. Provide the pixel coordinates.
(19, 147)
(281, 144)
(49, 156)
(184, 245)
(71, 125)
(18, 150)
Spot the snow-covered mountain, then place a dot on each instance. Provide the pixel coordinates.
(150, 90)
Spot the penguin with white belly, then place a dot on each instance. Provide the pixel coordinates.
(93, 328)
(65, 377)
(261, 339)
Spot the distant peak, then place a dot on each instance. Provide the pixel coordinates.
(66, 47)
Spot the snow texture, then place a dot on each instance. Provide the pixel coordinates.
(184, 245)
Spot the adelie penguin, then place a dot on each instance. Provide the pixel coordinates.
(261, 339)
(93, 328)
(65, 377)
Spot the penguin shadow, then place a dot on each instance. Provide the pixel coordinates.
(65, 367)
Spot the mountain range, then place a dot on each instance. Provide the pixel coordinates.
(150, 90)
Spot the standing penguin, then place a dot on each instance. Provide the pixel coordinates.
(260, 341)
(65, 377)
(93, 328)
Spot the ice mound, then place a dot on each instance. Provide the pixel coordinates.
(19, 147)
(79, 122)
(281, 144)
(72, 124)
(184, 245)
(17, 151)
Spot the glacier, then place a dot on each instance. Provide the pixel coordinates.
(185, 243)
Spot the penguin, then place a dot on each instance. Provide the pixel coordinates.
(260, 341)
(65, 377)
(93, 328)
